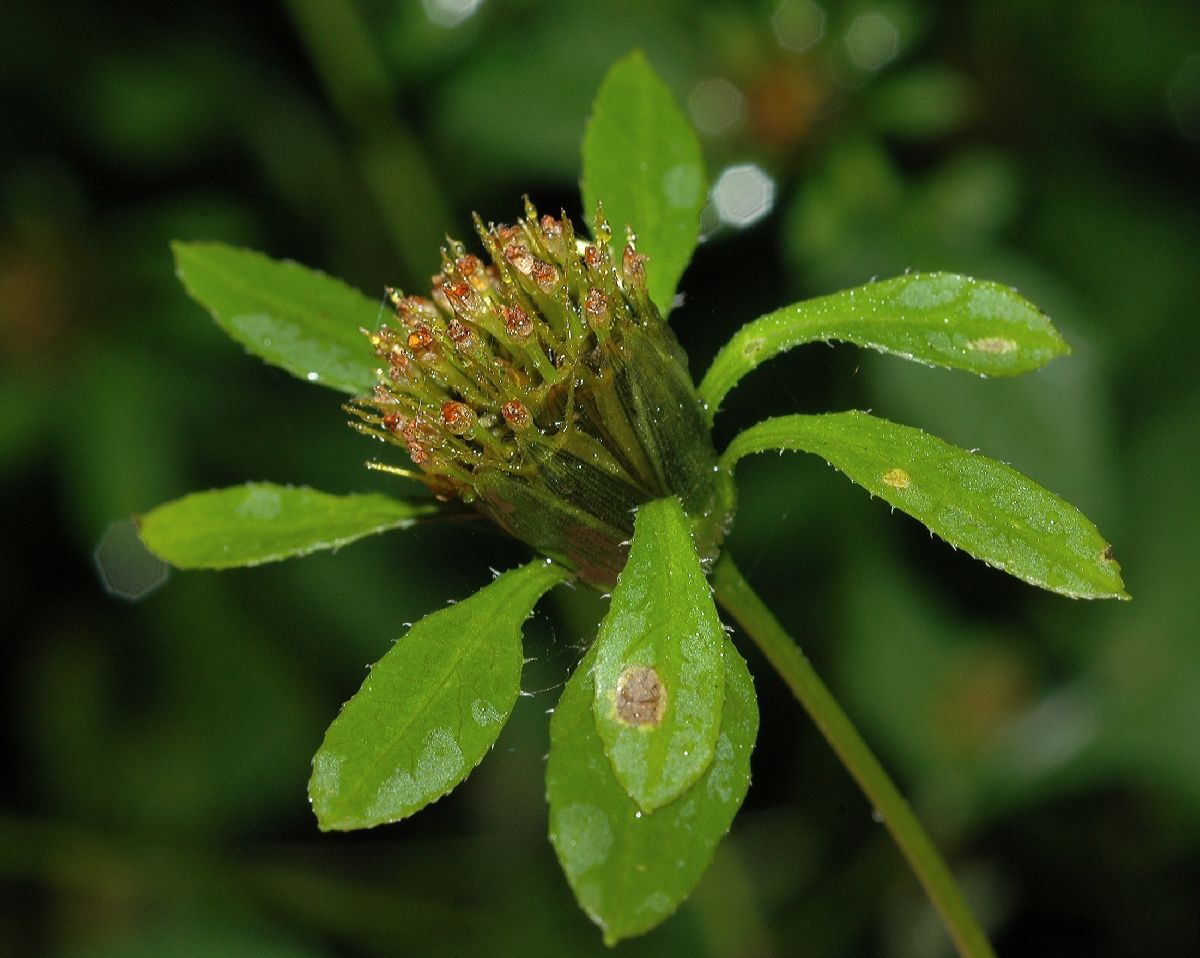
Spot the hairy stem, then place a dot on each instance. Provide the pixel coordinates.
(739, 599)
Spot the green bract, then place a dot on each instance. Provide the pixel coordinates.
(262, 522)
(291, 317)
(542, 387)
(935, 318)
(973, 502)
(660, 683)
(630, 869)
(662, 191)
(402, 741)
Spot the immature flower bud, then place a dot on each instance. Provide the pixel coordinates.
(517, 323)
(516, 415)
(458, 417)
(595, 308)
(545, 389)
(521, 259)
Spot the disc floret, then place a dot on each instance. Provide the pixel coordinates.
(544, 388)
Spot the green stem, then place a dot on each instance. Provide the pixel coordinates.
(400, 178)
(748, 610)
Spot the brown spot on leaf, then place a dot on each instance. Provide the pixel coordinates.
(993, 344)
(753, 346)
(1108, 555)
(897, 479)
(641, 698)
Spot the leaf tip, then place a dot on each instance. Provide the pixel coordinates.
(1108, 560)
(1058, 345)
(635, 57)
(181, 250)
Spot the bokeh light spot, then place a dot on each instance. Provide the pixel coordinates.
(1183, 97)
(450, 13)
(743, 195)
(798, 24)
(872, 41)
(717, 106)
(127, 568)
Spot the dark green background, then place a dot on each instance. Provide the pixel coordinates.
(155, 754)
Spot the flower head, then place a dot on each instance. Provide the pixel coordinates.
(544, 388)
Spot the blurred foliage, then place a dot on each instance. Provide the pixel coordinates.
(156, 753)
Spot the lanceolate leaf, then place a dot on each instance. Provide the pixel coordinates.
(659, 682)
(285, 314)
(261, 522)
(430, 709)
(975, 503)
(630, 869)
(642, 159)
(937, 318)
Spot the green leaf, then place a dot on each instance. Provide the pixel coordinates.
(430, 709)
(659, 679)
(642, 159)
(631, 869)
(975, 503)
(285, 314)
(263, 522)
(941, 319)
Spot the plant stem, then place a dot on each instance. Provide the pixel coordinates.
(399, 176)
(748, 610)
